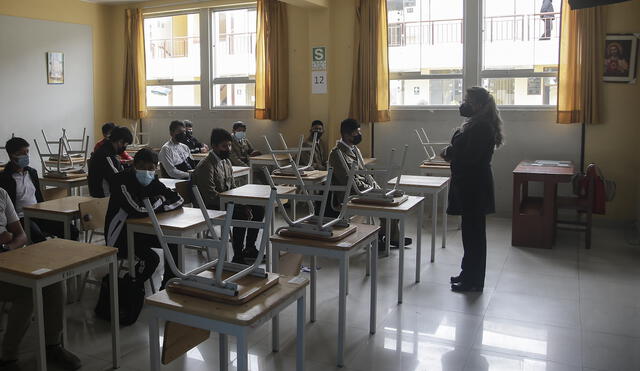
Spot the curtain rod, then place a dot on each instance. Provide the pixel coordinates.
(182, 3)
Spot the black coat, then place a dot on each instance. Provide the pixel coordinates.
(9, 184)
(470, 153)
(103, 165)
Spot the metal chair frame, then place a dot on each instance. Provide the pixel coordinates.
(288, 169)
(430, 147)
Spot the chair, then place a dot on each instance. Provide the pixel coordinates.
(184, 190)
(92, 218)
(583, 205)
(54, 193)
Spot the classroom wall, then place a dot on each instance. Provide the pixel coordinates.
(28, 103)
(96, 17)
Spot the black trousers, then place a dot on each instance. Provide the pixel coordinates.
(239, 234)
(474, 242)
(148, 259)
(41, 229)
(548, 26)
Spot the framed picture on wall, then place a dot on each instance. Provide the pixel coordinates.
(620, 52)
(55, 68)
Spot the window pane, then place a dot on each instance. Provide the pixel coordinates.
(520, 34)
(172, 48)
(173, 96)
(234, 43)
(425, 92)
(229, 95)
(523, 90)
(425, 36)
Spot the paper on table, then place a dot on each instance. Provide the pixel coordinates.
(41, 271)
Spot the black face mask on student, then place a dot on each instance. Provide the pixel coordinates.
(189, 133)
(466, 109)
(224, 155)
(357, 139)
(181, 137)
(317, 133)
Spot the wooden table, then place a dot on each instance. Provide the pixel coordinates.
(171, 183)
(434, 186)
(534, 218)
(184, 222)
(226, 319)
(69, 184)
(255, 195)
(314, 177)
(369, 161)
(63, 210)
(366, 236)
(400, 212)
(435, 168)
(52, 261)
(266, 160)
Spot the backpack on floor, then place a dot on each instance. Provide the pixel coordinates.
(130, 300)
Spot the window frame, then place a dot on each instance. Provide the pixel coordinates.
(472, 68)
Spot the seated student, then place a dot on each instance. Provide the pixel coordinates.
(21, 299)
(128, 190)
(192, 142)
(106, 131)
(214, 175)
(241, 148)
(319, 156)
(348, 146)
(175, 156)
(23, 186)
(104, 164)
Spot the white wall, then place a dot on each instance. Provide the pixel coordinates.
(27, 103)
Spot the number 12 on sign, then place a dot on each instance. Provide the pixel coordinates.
(319, 82)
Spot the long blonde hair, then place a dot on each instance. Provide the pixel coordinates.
(488, 113)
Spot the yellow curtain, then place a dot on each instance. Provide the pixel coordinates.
(581, 39)
(272, 61)
(370, 84)
(134, 105)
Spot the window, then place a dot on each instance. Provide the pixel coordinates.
(425, 51)
(520, 51)
(172, 53)
(517, 58)
(234, 59)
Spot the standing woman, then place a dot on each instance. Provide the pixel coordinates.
(471, 190)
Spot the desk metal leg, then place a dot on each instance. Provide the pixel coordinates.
(293, 208)
(300, 333)
(131, 254)
(367, 267)
(181, 261)
(39, 317)
(419, 242)
(374, 286)
(223, 343)
(242, 351)
(387, 243)
(271, 232)
(115, 317)
(434, 224)
(71, 282)
(342, 311)
(401, 261)
(314, 278)
(275, 333)
(154, 343)
(445, 225)
(347, 267)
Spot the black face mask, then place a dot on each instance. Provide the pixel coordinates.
(466, 110)
(318, 134)
(181, 137)
(357, 139)
(189, 134)
(224, 155)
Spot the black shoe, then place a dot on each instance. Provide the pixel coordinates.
(396, 244)
(61, 357)
(238, 260)
(251, 254)
(456, 279)
(465, 287)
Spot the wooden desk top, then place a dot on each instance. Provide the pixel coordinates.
(50, 257)
(179, 220)
(239, 169)
(65, 205)
(435, 165)
(553, 168)
(243, 315)
(256, 191)
(421, 181)
(368, 160)
(362, 232)
(310, 175)
(409, 204)
(170, 182)
(199, 156)
(70, 180)
(268, 157)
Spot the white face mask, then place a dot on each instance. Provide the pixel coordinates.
(145, 177)
(240, 135)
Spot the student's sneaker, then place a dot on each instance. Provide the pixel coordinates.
(251, 254)
(63, 358)
(238, 260)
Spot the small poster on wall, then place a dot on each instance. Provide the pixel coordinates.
(620, 53)
(55, 68)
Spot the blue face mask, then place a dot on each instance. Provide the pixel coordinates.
(240, 135)
(22, 161)
(145, 177)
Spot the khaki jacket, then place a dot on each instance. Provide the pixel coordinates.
(319, 156)
(340, 173)
(213, 176)
(240, 152)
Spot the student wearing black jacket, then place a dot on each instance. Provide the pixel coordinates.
(104, 163)
(471, 192)
(128, 190)
(192, 142)
(22, 184)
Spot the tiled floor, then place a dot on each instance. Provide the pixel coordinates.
(561, 309)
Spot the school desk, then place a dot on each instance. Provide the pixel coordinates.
(63, 210)
(71, 184)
